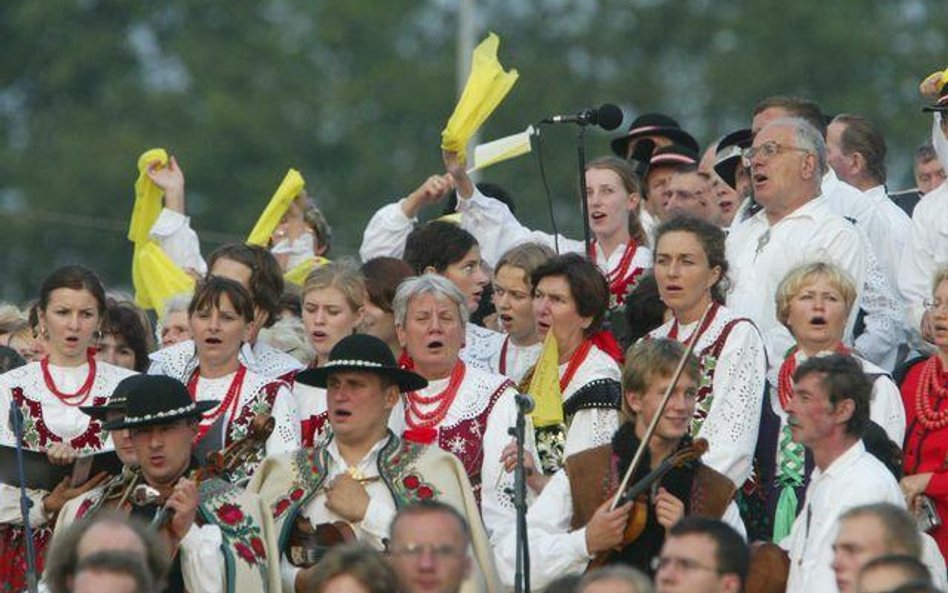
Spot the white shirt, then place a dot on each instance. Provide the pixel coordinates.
(760, 256)
(386, 233)
(172, 231)
(556, 551)
(733, 419)
(518, 359)
(855, 478)
(593, 426)
(897, 225)
(926, 251)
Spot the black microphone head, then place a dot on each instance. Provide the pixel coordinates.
(525, 402)
(609, 117)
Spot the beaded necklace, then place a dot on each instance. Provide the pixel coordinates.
(444, 399)
(71, 399)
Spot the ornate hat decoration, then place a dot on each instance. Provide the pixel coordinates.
(156, 399)
(361, 352)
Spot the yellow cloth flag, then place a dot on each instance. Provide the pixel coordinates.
(147, 197)
(156, 277)
(486, 87)
(301, 270)
(545, 386)
(289, 188)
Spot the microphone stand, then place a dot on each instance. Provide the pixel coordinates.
(16, 419)
(522, 572)
(581, 157)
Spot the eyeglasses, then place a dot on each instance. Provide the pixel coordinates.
(683, 564)
(415, 551)
(936, 305)
(767, 151)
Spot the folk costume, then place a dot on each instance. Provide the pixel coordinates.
(230, 547)
(48, 397)
(260, 358)
(557, 520)
(733, 369)
(241, 395)
(314, 414)
(513, 361)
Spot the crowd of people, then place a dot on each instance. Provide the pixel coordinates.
(738, 384)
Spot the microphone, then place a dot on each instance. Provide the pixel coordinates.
(525, 403)
(607, 117)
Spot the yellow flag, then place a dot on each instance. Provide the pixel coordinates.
(486, 87)
(156, 278)
(147, 197)
(289, 188)
(301, 270)
(545, 386)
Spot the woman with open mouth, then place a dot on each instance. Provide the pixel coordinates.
(464, 410)
(923, 393)
(813, 301)
(691, 272)
(333, 302)
(48, 394)
(220, 316)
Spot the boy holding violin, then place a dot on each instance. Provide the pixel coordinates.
(575, 525)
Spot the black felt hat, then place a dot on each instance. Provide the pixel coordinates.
(728, 155)
(361, 352)
(653, 124)
(156, 399)
(116, 401)
(672, 156)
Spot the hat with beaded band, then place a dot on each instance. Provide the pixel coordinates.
(156, 399)
(361, 352)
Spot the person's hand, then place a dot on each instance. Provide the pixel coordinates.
(183, 501)
(347, 498)
(668, 508)
(931, 86)
(536, 480)
(606, 528)
(458, 172)
(63, 493)
(61, 454)
(169, 178)
(914, 485)
(928, 327)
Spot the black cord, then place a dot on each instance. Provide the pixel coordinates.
(546, 189)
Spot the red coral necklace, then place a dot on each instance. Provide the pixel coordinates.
(444, 399)
(71, 399)
(229, 401)
(931, 388)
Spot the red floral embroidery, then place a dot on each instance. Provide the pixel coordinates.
(245, 553)
(422, 435)
(257, 544)
(230, 514)
(281, 507)
(411, 482)
(84, 508)
(296, 494)
(425, 492)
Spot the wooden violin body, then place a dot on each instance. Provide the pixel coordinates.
(769, 569)
(307, 544)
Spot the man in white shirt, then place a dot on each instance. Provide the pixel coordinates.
(828, 414)
(795, 226)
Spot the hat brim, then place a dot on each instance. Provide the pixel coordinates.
(727, 170)
(100, 412)
(620, 145)
(193, 411)
(934, 108)
(318, 377)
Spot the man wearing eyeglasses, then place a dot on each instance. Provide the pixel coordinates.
(702, 555)
(795, 226)
(429, 548)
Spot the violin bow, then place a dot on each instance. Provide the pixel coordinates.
(659, 413)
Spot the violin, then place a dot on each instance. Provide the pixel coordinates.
(638, 494)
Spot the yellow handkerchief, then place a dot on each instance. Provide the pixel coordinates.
(545, 386)
(299, 272)
(147, 196)
(289, 188)
(156, 278)
(486, 87)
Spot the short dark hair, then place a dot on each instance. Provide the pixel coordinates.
(491, 190)
(859, 135)
(10, 359)
(122, 319)
(842, 378)
(75, 278)
(359, 561)
(586, 284)
(266, 277)
(644, 308)
(901, 531)
(797, 107)
(429, 506)
(731, 554)
(925, 152)
(208, 294)
(711, 239)
(382, 277)
(437, 244)
(912, 568)
(115, 561)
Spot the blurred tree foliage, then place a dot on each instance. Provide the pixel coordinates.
(354, 93)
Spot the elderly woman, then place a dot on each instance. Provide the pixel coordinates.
(691, 272)
(813, 301)
(926, 442)
(172, 327)
(463, 410)
(48, 393)
(220, 316)
(333, 300)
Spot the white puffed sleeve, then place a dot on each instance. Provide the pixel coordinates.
(173, 233)
(202, 560)
(386, 233)
(285, 437)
